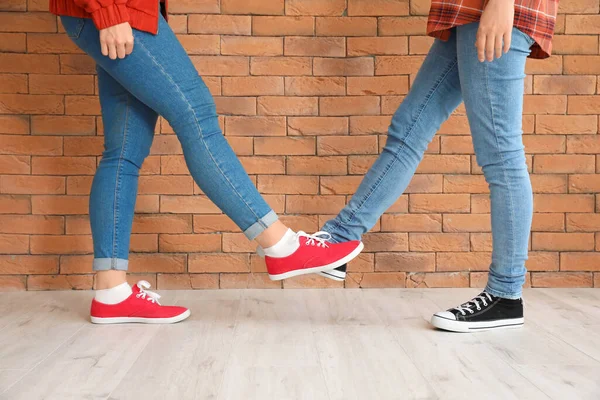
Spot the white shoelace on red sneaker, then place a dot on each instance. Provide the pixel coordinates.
(146, 294)
(318, 239)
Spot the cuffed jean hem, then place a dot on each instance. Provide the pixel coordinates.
(504, 295)
(107, 264)
(259, 226)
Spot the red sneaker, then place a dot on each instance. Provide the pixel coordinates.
(142, 307)
(315, 254)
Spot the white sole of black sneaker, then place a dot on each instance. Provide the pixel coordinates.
(134, 320)
(462, 326)
(328, 267)
(334, 275)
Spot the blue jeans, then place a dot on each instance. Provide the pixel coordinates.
(158, 78)
(493, 97)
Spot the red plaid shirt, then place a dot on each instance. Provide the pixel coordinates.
(533, 17)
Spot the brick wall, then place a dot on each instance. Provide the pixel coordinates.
(307, 89)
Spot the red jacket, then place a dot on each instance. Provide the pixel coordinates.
(141, 14)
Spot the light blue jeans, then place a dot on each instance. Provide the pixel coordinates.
(493, 96)
(158, 78)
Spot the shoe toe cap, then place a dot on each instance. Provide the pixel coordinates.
(445, 315)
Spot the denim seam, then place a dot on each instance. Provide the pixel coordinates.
(506, 180)
(118, 185)
(410, 131)
(200, 133)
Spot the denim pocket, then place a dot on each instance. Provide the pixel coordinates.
(73, 26)
(528, 38)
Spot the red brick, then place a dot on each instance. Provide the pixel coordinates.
(426, 203)
(559, 163)
(144, 243)
(12, 283)
(397, 65)
(271, 7)
(583, 144)
(420, 44)
(346, 26)
(551, 65)
(255, 126)
(467, 223)
(306, 204)
(407, 262)
(29, 63)
(189, 243)
(545, 104)
(376, 280)
(548, 222)
(194, 6)
(252, 86)
(187, 205)
(311, 126)
(411, 223)
(584, 105)
(315, 7)
(369, 46)
(463, 261)
(316, 165)
(60, 205)
(377, 242)
(315, 86)
(31, 224)
(244, 281)
(82, 105)
(378, 7)
(263, 165)
(578, 24)
(156, 223)
(580, 261)
(586, 183)
(465, 184)
(287, 106)
(397, 26)
(25, 184)
(14, 244)
(336, 145)
(437, 280)
(71, 64)
(563, 84)
(315, 46)
(179, 24)
(583, 222)
(27, 22)
(201, 44)
(13, 42)
(251, 46)
(10, 204)
(345, 67)
(563, 241)
(31, 104)
(380, 85)
(563, 203)
(14, 124)
(13, 83)
(219, 263)
(220, 24)
(214, 223)
(284, 146)
(282, 66)
(63, 165)
(566, 124)
(157, 263)
(350, 105)
(63, 125)
(60, 282)
(221, 65)
(561, 279)
(275, 184)
(367, 125)
(575, 44)
(340, 184)
(427, 242)
(61, 244)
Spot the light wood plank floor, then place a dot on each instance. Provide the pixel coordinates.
(300, 344)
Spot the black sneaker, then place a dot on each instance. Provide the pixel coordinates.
(482, 313)
(338, 274)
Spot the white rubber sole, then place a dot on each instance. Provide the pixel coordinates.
(462, 326)
(133, 320)
(327, 267)
(334, 275)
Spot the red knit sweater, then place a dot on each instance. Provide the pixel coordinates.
(141, 14)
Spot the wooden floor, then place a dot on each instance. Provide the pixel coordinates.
(300, 344)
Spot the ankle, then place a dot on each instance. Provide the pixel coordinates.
(110, 279)
(272, 235)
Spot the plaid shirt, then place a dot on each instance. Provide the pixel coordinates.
(533, 17)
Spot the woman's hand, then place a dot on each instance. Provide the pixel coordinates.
(116, 41)
(495, 28)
